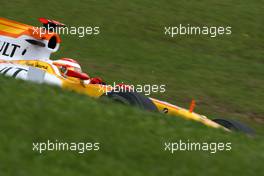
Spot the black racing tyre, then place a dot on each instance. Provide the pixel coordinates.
(235, 126)
(133, 99)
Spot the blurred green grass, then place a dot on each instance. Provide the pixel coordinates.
(131, 141)
(223, 74)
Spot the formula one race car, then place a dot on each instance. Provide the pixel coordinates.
(25, 54)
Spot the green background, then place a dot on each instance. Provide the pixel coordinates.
(223, 74)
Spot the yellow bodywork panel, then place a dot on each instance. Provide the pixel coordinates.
(181, 112)
(92, 90)
(38, 64)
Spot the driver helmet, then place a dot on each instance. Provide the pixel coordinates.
(66, 64)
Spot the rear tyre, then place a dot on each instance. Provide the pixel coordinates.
(235, 126)
(133, 99)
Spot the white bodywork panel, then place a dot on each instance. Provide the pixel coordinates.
(20, 49)
(28, 73)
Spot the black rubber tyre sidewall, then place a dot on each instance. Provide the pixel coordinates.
(235, 126)
(133, 99)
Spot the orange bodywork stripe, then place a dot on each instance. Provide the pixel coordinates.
(14, 29)
(14, 24)
(10, 29)
(10, 34)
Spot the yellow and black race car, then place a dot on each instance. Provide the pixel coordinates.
(25, 54)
